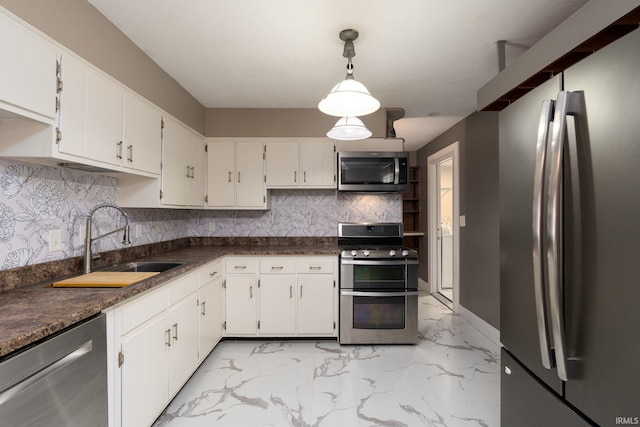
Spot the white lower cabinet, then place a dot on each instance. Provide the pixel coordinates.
(209, 308)
(158, 340)
(287, 296)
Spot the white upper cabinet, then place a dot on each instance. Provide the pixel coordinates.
(28, 72)
(300, 163)
(282, 164)
(182, 165)
(318, 163)
(235, 174)
(142, 138)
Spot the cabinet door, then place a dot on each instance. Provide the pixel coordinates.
(278, 304)
(196, 163)
(145, 378)
(241, 306)
(183, 355)
(281, 164)
(209, 316)
(73, 106)
(104, 120)
(221, 190)
(28, 73)
(316, 304)
(175, 159)
(142, 135)
(318, 164)
(250, 189)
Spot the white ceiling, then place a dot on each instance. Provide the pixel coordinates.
(428, 57)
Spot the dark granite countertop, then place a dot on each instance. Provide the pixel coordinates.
(31, 310)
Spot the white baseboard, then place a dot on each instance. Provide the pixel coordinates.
(485, 328)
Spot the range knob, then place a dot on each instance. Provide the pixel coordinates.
(392, 253)
(354, 252)
(405, 252)
(365, 252)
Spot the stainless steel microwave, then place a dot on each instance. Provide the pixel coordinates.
(375, 171)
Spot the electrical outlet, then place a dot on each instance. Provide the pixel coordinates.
(137, 231)
(55, 240)
(463, 221)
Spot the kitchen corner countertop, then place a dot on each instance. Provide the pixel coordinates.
(35, 311)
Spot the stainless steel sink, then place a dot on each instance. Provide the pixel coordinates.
(150, 266)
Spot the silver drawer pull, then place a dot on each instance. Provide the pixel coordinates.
(312, 267)
(204, 311)
(167, 335)
(239, 267)
(277, 267)
(213, 274)
(175, 331)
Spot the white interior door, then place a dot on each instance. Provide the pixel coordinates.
(443, 220)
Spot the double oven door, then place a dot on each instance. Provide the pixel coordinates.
(378, 301)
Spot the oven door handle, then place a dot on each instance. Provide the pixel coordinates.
(380, 262)
(378, 294)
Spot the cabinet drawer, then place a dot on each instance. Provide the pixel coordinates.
(210, 272)
(278, 266)
(241, 265)
(316, 266)
(182, 288)
(143, 309)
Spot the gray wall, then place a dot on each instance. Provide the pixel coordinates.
(479, 240)
(282, 122)
(79, 26)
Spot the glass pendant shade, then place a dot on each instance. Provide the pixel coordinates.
(349, 98)
(349, 129)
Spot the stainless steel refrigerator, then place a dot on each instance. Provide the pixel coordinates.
(570, 246)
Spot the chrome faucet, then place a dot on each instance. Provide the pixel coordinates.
(88, 239)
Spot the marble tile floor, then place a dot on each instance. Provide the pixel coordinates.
(450, 379)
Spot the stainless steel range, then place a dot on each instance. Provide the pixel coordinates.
(378, 285)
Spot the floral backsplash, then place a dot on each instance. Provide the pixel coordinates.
(36, 199)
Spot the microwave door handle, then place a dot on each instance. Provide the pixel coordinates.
(546, 116)
(396, 176)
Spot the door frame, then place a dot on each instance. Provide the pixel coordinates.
(432, 240)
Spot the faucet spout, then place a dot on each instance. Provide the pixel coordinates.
(126, 239)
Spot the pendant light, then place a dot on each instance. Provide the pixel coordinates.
(349, 98)
(349, 129)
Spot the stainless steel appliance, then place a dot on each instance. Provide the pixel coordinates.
(378, 285)
(61, 382)
(380, 171)
(570, 245)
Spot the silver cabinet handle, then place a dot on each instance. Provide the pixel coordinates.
(130, 153)
(175, 331)
(238, 176)
(229, 176)
(568, 103)
(290, 292)
(304, 176)
(213, 274)
(188, 170)
(546, 116)
(204, 310)
(119, 150)
(300, 291)
(239, 267)
(193, 171)
(167, 337)
(250, 291)
(277, 267)
(40, 375)
(295, 176)
(315, 267)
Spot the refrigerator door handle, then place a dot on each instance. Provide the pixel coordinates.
(568, 103)
(546, 116)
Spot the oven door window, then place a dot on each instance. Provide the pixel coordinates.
(367, 171)
(378, 312)
(387, 277)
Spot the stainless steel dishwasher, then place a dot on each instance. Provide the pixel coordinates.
(59, 382)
